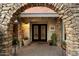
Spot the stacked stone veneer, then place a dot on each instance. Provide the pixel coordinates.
(9, 13)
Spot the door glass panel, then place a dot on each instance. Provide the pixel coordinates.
(35, 32)
(43, 33)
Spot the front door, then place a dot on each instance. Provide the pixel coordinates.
(39, 32)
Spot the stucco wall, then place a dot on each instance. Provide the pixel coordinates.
(51, 22)
(26, 33)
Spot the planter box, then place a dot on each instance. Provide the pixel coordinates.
(26, 42)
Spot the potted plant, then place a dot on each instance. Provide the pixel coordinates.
(63, 45)
(15, 42)
(50, 42)
(53, 39)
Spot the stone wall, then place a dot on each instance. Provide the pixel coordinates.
(67, 12)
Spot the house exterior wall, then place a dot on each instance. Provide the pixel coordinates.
(26, 29)
(51, 22)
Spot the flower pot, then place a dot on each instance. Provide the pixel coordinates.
(50, 44)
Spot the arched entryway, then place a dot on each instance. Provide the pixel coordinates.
(64, 13)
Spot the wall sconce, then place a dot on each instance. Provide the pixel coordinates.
(15, 21)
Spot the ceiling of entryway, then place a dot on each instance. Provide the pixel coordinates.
(39, 10)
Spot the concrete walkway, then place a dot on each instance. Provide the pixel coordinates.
(40, 49)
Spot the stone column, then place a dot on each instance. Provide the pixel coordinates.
(5, 42)
(72, 40)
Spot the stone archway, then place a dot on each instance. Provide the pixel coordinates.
(10, 12)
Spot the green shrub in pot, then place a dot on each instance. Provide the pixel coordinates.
(53, 40)
(15, 41)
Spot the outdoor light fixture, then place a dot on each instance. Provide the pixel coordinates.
(16, 21)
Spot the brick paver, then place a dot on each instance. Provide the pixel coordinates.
(39, 49)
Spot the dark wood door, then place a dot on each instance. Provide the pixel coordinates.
(39, 32)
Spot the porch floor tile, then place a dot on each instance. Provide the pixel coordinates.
(40, 49)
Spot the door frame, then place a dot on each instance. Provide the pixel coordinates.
(39, 29)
